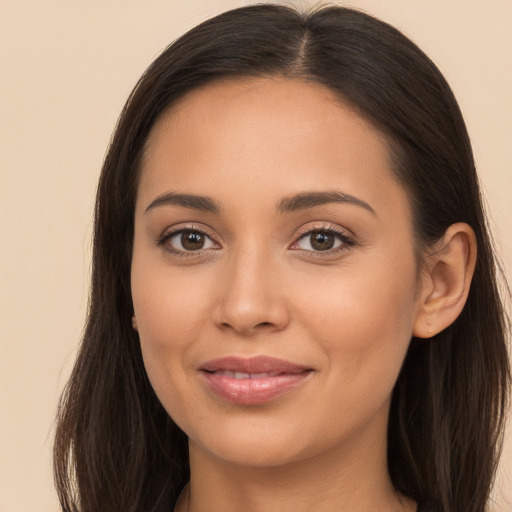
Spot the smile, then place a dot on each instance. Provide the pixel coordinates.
(252, 381)
(243, 375)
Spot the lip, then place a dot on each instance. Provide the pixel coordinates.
(252, 381)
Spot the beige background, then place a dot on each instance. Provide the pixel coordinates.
(66, 68)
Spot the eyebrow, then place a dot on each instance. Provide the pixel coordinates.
(301, 201)
(306, 200)
(202, 203)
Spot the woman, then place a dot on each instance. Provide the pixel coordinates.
(288, 311)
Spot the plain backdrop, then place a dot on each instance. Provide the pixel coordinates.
(66, 68)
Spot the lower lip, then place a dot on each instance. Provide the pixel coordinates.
(253, 391)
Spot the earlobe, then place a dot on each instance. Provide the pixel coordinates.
(446, 280)
(134, 323)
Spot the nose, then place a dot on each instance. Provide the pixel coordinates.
(252, 297)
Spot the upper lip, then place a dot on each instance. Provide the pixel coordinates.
(256, 364)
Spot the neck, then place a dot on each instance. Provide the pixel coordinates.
(340, 480)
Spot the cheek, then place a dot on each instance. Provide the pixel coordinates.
(363, 321)
(169, 305)
(170, 316)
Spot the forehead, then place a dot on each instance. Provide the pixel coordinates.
(256, 107)
(266, 137)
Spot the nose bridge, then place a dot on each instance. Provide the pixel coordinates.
(251, 298)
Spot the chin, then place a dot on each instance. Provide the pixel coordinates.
(255, 453)
(259, 443)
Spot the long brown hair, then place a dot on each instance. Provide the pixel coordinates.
(116, 449)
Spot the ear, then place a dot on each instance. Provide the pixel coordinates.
(134, 323)
(446, 280)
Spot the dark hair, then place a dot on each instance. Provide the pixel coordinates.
(116, 448)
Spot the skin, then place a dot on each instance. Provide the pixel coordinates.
(259, 287)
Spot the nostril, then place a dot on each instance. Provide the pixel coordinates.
(247, 330)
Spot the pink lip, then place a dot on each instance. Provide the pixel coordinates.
(268, 378)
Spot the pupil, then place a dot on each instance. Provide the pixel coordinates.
(192, 240)
(322, 241)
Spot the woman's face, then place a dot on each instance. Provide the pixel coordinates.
(274, 278)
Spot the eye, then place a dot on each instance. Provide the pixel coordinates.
(184, 241)
(329, 240)
(319, 241)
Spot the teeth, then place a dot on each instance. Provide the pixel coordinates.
(244, 375)
(226, 374)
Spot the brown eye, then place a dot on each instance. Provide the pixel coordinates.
(192, 240)
(187, 240)
(322, 241)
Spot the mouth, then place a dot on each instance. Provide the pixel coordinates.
(244, 375)
(252, 381)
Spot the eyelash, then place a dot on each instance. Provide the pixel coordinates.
(167, 235)
(346, 240)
